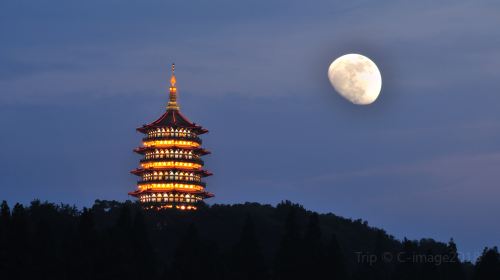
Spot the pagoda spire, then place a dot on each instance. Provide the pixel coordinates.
(172, 101)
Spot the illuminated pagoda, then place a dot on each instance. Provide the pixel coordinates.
(171, 170)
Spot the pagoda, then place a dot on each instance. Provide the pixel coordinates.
(171, 169)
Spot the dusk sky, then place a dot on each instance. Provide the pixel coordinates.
(77, 78)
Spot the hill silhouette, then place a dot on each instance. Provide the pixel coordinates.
(120, 240)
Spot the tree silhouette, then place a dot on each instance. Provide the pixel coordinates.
(142, 250)
(246, 258)
(85, 247)
(406, 268)
(115, 258)
(4, 214)
(428, 268)
(290, 252)
(488, 265)
(19, 243)
(314, 259)
(195, 259)
(335, 259)
(452, 267)
(115, 240)
(4, 236)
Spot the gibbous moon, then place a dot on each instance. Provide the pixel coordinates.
(356, 78)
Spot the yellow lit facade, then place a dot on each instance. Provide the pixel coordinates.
(171, 170)
(166, 132)
(171, 143)
(170, 186)
(179, 164)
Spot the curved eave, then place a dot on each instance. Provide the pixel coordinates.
(197, 161)
(200, 184)
(199, 151)
(196, 128)
(204, 194)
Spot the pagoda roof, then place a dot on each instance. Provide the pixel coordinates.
(172, 118)
(200, 151)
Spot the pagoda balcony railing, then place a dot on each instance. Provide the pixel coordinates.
(173, 137)
(170, 156)
(171, 134)
(179, 158)
(172, 181)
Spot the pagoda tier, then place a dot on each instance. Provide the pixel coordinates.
(141, 171)
(144, 150)
(171, 170)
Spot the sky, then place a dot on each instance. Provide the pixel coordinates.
(77, 78)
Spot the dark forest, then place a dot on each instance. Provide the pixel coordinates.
(115, 240)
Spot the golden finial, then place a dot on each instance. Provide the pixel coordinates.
(172, 80)
(172, 103)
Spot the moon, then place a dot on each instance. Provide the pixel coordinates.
(356, 78)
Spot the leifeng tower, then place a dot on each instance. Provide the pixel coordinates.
(171, 170)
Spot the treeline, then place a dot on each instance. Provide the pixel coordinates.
(114, 240)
